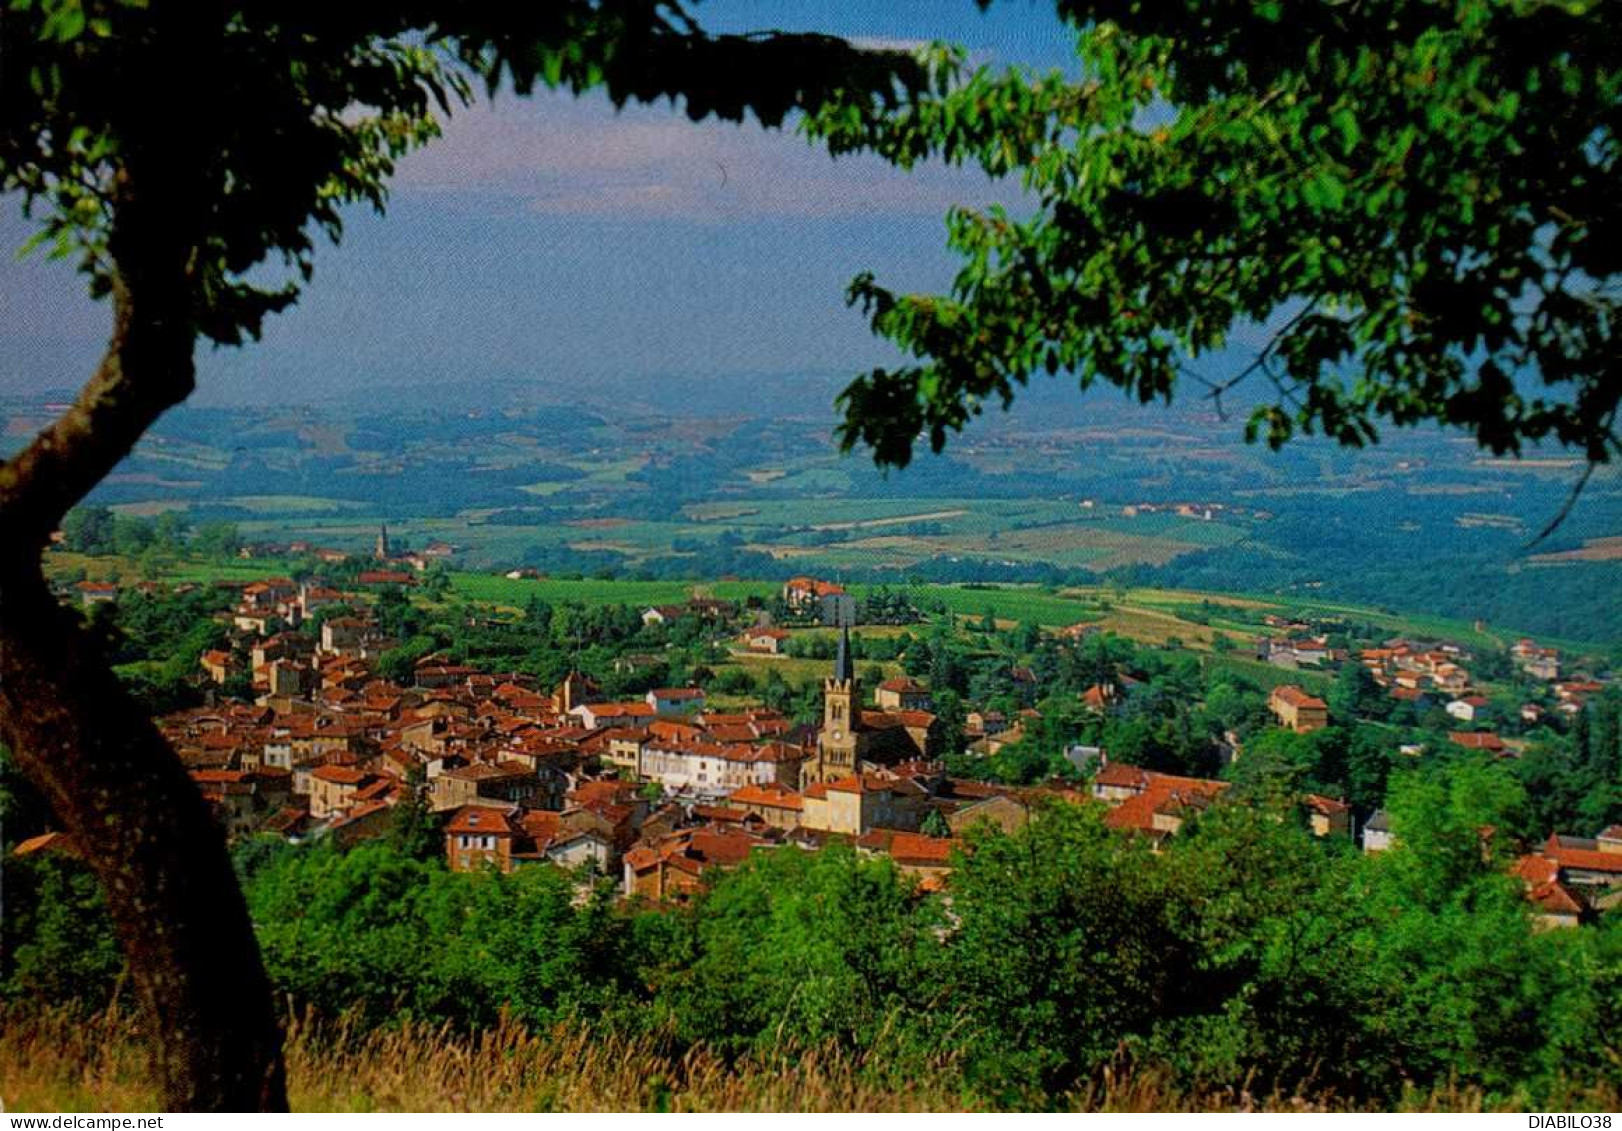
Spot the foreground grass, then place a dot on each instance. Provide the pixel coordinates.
(63, 1060)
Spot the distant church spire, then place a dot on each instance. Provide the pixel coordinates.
(382, 553)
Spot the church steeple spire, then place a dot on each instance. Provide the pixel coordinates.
(842, 665)
(382, 552)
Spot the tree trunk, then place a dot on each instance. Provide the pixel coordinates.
(126, 801)
(117, 788)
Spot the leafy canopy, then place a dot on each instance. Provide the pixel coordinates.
(1412, 203)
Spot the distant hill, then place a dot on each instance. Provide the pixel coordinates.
(672, 478)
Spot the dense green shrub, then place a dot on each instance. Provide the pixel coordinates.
(1245, 953)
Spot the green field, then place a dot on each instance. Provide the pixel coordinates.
(831, 536)
(1007, 603)
(1265, 674)
(1147, 615)
(798, 671)
(514, 594)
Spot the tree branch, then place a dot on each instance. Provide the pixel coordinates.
(1561, 515)
(41, 483)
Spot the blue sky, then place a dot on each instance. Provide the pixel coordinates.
(555, 241)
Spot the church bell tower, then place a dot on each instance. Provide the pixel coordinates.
(841, 717)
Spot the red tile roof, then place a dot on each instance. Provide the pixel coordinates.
(1098, 696)
(858, 783)
(1163, 793)
(340, 775)
(1537, 870)
(1585, 859)
(604, 792)
(773, 795)
(811, 585)
(720, 814)
(889, 720)
(634, 710)
(1120, 775)
(1295, 697)
(484, 820)
(919, 850)
(1471, 740)
(385, 577)
(1554, 898)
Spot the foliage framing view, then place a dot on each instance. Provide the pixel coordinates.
(1443, 221)
(1413, 203)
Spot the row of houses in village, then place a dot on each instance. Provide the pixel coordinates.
(1426, 676)
(661, 790)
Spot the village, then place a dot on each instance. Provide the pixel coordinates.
(658, 791)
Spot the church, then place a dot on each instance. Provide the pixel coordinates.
(853, 738)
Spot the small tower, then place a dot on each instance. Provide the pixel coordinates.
(382, 551)
(575, 690)
(841, 717)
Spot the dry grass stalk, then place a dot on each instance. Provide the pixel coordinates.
(54, 1059)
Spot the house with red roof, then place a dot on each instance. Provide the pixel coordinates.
(1585, 861)
(802, 594)
(675, 867)
(765, 641)
(1297, 710)
(504, 780)
(1117, 781)
(902, 694)
(662, 614)
(855, 804)
(1565, 878)
(777, 804)
(365, 820)
(1558, 905)
(480, 837)
(914, 854)
(218, 664)
(1150, 803)
(594, 715)
(92, 593)
(332, 788)
(505, 838)
(1327, 816)
(710, 767)
(1100, 697)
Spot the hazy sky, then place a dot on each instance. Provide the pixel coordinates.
(555, 240)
